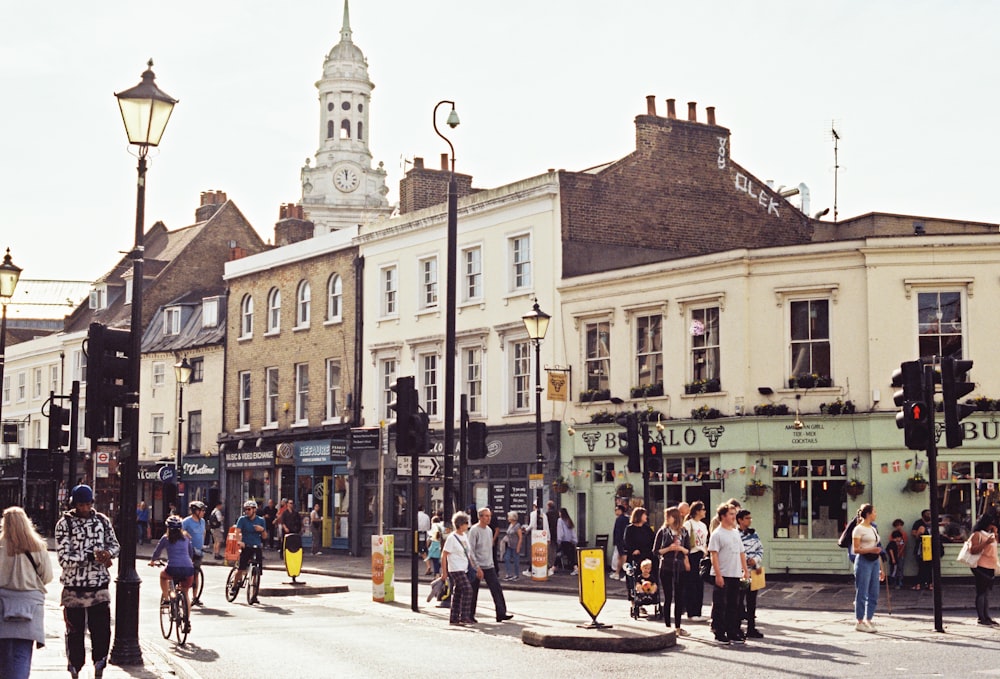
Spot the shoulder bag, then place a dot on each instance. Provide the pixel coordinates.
(966, 556)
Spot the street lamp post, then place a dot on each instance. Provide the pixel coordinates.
(449, 323)
(182, 374)
(9, 275)
(145, 111)
(536, 322)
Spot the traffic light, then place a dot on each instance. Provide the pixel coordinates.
(954, 387)
(654, 457)
(477, 441)
(107, 378)
(629, 440)
(58, 418)
(404, 406)
(914, 417)
(417, 431)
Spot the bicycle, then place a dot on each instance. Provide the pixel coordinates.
(251, 578)
(175, 612)
(199, 577)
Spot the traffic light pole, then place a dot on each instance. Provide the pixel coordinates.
(928, 388)
(644, 431)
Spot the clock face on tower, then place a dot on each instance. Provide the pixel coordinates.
(345, 179)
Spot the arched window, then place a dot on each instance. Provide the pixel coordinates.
(329, 129)
(361, 128)
(345, 129)
(246, 316)
(334, 290)
(274, 310)
(302, 307)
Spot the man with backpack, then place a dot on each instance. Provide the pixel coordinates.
(216, 522)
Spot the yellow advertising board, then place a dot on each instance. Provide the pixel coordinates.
(591, 580)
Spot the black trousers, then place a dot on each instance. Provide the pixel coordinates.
(694, 588)
(748, 605)
(984, 583)
(671, 584)
(726, 609)
(493, 582)
(97, 619)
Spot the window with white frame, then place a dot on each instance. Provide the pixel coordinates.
(210, 312)
(705, 344)
(99, 297)
(273, 311)
(271, 397)
(472, 375)
(301, 392)
(649, 350)
(172, 321)
(36, 433)
(127, 297)
(387, 378)
(159, 373)
(428, 283)
(389, 291)
(520, 262)
(36, 383)
(332, 409)
(22, 386)
(158, 432)
(809, 497)
(939, 324)
(520, 372)
(334, 298)
(598, 357)
(80, 366)
(54, 378)
(472, 274)
(429, 383)
(810, 340)
(6, 389)
(246, 317)
(244, 412)
(302, 306)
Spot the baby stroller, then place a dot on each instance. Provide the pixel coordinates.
(639, 599)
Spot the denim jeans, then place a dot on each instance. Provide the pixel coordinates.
(15, 658)
(866, 583)
(512, 562)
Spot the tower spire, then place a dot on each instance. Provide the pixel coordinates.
(345, 29)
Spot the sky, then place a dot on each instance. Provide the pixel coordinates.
(538, 84)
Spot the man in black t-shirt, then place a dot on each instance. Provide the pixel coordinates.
(922, 527)
(268, 512)
(291, 522)
(552, 514)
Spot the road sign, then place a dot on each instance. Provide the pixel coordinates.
(167, 473)
(536, 481)
(427, 466)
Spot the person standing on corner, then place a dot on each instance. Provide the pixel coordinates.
(729, 565)
(668, 545)
(456, 559)
(481, 547)
(316, 528)
(86, 543)
(269, 513)
(552, 518)
(142, 523)
(922, 527)
(512, 551)
(867, 568)
(698, 541)
(423, 528)
(618, 538)
(566, 533)
(291, 523)
(755, 556)
(984, 543)
(25, 569)
(217, 523)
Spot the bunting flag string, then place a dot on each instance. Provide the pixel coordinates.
(885, 467)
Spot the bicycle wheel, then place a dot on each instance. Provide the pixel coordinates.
(232, 587)
(253, 585)
(182, 621)
(200, 576)
(166, 619)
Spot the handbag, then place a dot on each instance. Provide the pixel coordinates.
(757, 579)
(966, 556)
(705, 570)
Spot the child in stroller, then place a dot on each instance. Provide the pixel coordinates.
(642, 589)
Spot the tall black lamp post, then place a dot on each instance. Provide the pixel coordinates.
(449, 322)
(536, 322)
(182, 374)
(9, 275)
(145, 111)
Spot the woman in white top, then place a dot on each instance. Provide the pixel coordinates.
(867, 568)
(455, 561)
(566, 536)
(697, 531)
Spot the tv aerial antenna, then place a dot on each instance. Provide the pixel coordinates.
(836, 164)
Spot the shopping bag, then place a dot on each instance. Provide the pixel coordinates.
(757, 580)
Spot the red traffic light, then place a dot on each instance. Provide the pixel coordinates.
(654, 449)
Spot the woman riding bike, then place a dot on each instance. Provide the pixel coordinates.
(180, 566)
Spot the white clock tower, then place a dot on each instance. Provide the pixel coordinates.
(340, 189)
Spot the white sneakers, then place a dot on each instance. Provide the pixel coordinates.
(865, 627)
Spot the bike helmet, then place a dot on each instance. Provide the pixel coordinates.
(249, 504)
(174, 522)
(197, 504)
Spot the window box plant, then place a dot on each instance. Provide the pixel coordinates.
(838, 407)
(770, 409)
(756, 488)
(647, 391)
(709, 386)
(602, 417)
(854, 488)
(591, 395)
(809, 381)
(705, 413)
(916, 483)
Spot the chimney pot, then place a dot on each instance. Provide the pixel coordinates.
(650, 105)
(418, 163)
(671, 108)
(710, 112)
(693, 111)
(444, 162)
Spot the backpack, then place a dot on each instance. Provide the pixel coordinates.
(847, 537)
(213, 521)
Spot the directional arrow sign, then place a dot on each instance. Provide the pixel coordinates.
(427, 466)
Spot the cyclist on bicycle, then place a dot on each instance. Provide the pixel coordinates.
(194, 526)
(251, 531)
(180, 567)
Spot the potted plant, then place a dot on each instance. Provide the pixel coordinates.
(705, 413)
(647, 391)
(560, 485)
(756, 488)
(591, 395)
(916, 483)
(602, 417)
(838, 407)
(709, 386)
(624, 490)
(770, 409)
(854, 488)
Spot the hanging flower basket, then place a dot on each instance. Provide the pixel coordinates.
(756, 489)
(560, 486)
(624, 490)
(854, 488)
(916, 486)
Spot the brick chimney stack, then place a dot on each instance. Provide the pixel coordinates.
(211, 201)
(292, 225)
(423, 187)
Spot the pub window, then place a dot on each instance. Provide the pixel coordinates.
(809, 498)
(604, 472)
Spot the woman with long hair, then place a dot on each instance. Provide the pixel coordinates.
(25, 569)
(697, 544)
(566, 536)
(867, 568)
(669, 546)
(639, 538)
(984, 543)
